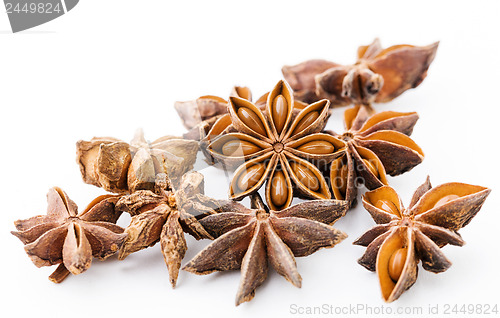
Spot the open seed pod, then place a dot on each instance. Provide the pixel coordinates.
(403, 237)
(219, 125)
(379, 75)
(279, 145)
(68, 238)
(121, 168)
(375, 145)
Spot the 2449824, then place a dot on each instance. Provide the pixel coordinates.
(33, 7)
(469, 309)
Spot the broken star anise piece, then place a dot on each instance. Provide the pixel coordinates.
(374, 146)
(199, 115)
(403, 237)
(277, 145)
(162, 215)
(119, 167)
(379, 75)
(68, 238)
(249, 239)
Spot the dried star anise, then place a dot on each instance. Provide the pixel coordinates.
(119, 167)
(251, 238)
(161, 216)
(199, 115)
(379, 75)
(403, 237)
(277, 145)
(69, 238)
(373, 147)
(214, 122)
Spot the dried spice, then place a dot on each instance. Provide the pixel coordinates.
(162, 215)
(214, 123)
(249, 239)
(379, 75)
(403, 237)
(119, 167)
(277, 145)
(199, 115)
(69, 238)
(373, 146)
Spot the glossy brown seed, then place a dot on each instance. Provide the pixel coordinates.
(445, 200)
(341, 180)
(305, 176)
(397, 263)
(371, 167)
(249, 118)
(388, 206)
(251, 176)
(280, 112)
(279, 190)
(319, 147)
(237, 147)
(305, 122)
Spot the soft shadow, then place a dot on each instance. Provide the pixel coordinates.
(26, 32)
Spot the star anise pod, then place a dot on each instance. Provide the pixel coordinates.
(119, 167)
(403, 237)
(199, 115)
(379, 75)
(251, 238)
(375, 145)
(162, 215)
(69, 238)
(277, 145)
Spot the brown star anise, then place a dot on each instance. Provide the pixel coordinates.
(161, 216)
(208, 115)
(374, 146)
(251, 238)
(68, 238)
(277, 145)
(199, 115)
(119, 167)
(403, 237)
(379, 75)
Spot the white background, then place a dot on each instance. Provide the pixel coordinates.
(109, 67)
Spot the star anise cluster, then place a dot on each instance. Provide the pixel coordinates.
(278, 142)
